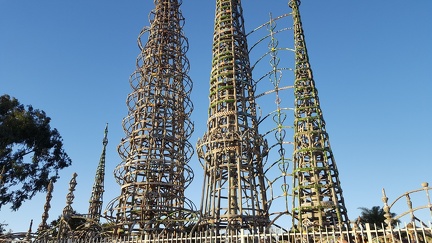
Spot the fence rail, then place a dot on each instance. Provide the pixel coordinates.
(368, 233)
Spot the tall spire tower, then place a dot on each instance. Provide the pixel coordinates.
(232, 150)
(155, 152)
(317, 192)
(96, 199)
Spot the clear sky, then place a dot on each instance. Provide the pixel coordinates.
(372, 63)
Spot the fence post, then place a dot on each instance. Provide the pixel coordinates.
(368, 232)
(242, 235)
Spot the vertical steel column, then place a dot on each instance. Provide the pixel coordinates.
(318, 200)
(231, 150)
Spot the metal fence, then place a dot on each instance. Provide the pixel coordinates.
(367, 233)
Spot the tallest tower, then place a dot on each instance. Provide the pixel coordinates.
(154, 172)
(231, 150)
(317, 192)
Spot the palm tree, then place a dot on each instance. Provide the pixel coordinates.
(375, 216)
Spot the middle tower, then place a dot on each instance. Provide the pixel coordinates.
(232, 150)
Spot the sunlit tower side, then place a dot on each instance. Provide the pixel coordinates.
(317, 193)
(231, 151)
(96, 199)
(154, 172)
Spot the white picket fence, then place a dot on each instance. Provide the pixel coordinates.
(369, 234)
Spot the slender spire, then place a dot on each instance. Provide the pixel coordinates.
(68, 210)
(29, 231)
(43, 225)
(155, 152)
(234, 194)
(96, 199)
(63, 226)
(318, 199)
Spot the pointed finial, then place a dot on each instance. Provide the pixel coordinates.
(387, 215)
(105, 139)
(28, 235)
(293, 3)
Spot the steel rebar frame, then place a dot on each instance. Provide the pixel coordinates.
(154, 172)
(232, 150)
(272, 71)
(317, 193)
(96, 198)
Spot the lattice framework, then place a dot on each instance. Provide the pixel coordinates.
(272, 70)
(155, 152)
(96, 199)
(317, 193)
(232, 150)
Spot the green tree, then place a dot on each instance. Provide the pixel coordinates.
(375, 215)
(31, 153)
(74, 221)
(2, 228)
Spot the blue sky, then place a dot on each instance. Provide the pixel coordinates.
(372, 63)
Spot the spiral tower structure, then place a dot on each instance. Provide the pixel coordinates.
(154, 172)
(155, 152)
(231, 151)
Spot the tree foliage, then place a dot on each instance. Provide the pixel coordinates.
(2, 228)
(31, 153)
(74, 221)
(375, 215)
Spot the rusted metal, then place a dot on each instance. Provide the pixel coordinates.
(232, 150)
(317, 193)
(154, 172)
